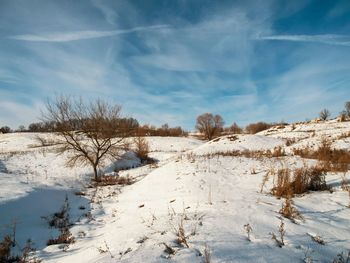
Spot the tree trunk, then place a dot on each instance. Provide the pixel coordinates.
(95, 172)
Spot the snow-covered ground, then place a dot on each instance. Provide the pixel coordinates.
(212, 196)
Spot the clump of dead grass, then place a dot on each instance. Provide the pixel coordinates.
(289, 211)
(106, 180)
(279, 240)
(301, 180)
(65, 237)
(181, 235)
(26, 255)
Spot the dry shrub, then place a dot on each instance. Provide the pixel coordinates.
(290, 141)
(342, 117)
(316, 179)
(300, 180)
(44, 142)
(281, 230)
(114, 180)
(169, 250)
(309, 179)
(181, 236)
(282, 187)
(257, 127)
(141, 148)
(342, 258)
(64, 238)
(289, 211)
(278, 152)
(271, 172)
(61, 221)
(303, 180)
(344, 135)
(5, 249)
(304, 153)
(6, 256)
(248, 229)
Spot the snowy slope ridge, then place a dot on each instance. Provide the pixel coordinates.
(311, 134)
(210, 197)
(239, 143)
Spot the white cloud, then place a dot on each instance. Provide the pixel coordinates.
(79, 35)
(330, 39)
(14, 113)
(109, 13)
(183, 70)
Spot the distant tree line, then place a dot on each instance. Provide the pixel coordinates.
(208, 124)
(130, 126)
(164, 130)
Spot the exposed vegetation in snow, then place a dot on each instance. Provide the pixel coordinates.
(281, 195)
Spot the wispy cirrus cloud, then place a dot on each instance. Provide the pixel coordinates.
(80, 35)
(212, 56)
(330, 39)
(109, 13)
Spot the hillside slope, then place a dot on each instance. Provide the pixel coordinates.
(198, 190)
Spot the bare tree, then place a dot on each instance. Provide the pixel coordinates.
(91, 132)
(21, 128)
(210, 125)
(5, 129)
(347, 108)
(324, 114)
(236, 129)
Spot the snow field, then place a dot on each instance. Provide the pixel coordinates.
(213, 196)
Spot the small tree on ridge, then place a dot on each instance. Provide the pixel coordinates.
(324, 114)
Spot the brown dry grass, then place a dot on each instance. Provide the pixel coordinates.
(114, 180)
(331, 160)
(299, 181)
(256, 154)
(290, 141)
(279, 241)
(141, 148)
(344, 135)
(64, 238)
(181, 235)
(289, 211)
(8, 247)
(278, 152)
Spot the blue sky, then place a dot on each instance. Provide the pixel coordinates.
(169, 61)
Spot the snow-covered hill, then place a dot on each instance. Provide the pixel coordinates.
(194, 188)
